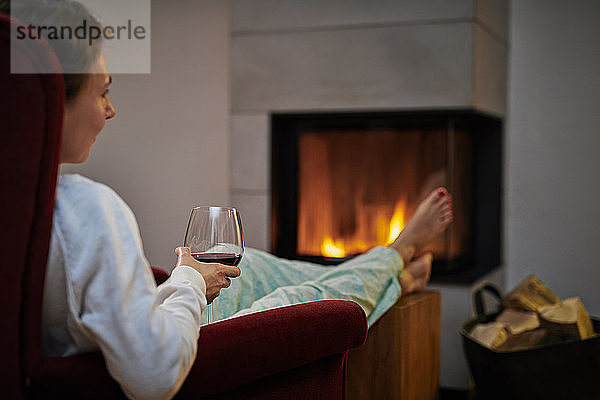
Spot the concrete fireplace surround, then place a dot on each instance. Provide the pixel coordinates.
(360, 55)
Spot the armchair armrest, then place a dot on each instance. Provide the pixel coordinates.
(249, 347)
(160, 275)
(266, 343)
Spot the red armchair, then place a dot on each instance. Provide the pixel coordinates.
(291, 352)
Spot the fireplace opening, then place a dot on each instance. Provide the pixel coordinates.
(345, 183)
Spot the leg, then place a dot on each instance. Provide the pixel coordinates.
(431, 218)
(416, 274)
(370, 279)
(262, 273)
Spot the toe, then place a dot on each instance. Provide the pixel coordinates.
(427, 258)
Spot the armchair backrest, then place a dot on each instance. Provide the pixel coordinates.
(31, 110)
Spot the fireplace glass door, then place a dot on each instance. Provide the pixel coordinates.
(358, 188)
(345, 184)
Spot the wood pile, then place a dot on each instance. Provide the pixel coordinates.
(532, 316)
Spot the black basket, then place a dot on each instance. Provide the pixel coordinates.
(569, 370)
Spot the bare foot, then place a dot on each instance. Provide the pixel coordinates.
(415, 274)
(431, 218)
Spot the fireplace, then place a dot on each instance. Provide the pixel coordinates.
(343, 183)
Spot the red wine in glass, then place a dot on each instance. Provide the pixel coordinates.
(220, 258)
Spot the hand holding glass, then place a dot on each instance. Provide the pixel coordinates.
(214, 235)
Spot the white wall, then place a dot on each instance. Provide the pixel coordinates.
(168, 147)
(553, 147)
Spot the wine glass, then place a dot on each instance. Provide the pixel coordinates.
(214, 235)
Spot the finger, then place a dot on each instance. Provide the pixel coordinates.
(181, 250)
(216, 293)
(185, 259)
(227, 283)
(232, 272)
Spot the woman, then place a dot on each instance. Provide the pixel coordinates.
(99, 291)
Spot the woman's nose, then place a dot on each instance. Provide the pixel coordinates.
(110, 110)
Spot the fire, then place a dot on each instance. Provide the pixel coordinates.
(386, 234)
(397, 222)
(330, 248)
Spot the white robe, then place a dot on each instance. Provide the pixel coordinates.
(100, 294)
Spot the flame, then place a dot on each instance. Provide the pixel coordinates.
(397, 223)
(329, 248)
(387, 233)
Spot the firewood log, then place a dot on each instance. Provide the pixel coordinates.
(491, 335)
(517, 321)
(568, 319)
(530, 295)
(524, 341)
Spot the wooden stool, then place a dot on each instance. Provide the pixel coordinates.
(401, 357)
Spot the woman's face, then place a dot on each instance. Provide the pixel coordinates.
(86, 114)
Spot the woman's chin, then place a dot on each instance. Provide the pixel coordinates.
(83, 157)
(75, 159)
